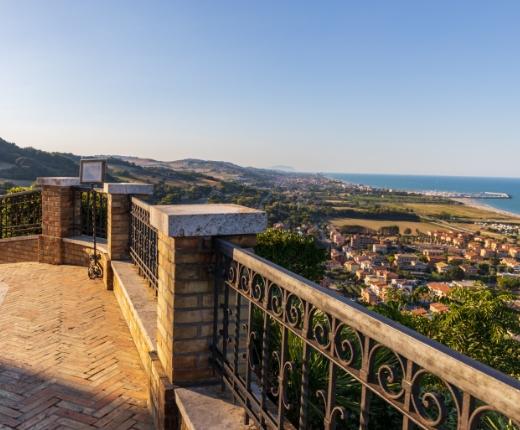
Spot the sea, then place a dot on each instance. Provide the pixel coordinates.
(461, 184)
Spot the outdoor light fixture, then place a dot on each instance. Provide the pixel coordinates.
(92, 172)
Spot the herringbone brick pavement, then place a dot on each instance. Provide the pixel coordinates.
(67, 360)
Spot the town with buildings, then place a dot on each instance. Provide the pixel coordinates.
(382, 266)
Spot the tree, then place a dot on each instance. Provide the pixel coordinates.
(299, 254)
(508, 283)
(483, 269)
(479, 324)
(18, 189)
(455, 273)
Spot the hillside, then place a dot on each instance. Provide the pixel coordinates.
(29, 163)
(23, 165)
(222, 170)
(26, 164)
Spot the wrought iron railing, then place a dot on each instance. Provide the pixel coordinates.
(296, 355)
(85, 200)
(20, 214)
(143, 242)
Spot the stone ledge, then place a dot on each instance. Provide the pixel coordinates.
(86, 241)
(58, 181)
(207, 220)
(140, 298)
(20, 238)
(203, 408)
(128, 188)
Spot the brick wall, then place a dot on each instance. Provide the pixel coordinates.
(118, 226)
(75, 253)
(165, 304)
(193, 261)
(185, 306)
(57, 211)
(162, 397)
(19, 249)
(57, 222)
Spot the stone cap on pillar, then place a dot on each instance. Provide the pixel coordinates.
(58, 181)
(207, 220)
(135, 188)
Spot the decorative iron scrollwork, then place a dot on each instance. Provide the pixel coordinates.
(275, 300)
(294, 311)
(258, 288)
(294, 345)
(335, 411)
(320, 328)
(348, 347)
(389, 370)
(430, 396)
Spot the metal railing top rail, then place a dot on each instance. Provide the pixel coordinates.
(85, 187)
(138, 202)
(496, 389)
(21, 193)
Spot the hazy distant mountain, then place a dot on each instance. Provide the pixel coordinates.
(283, 168)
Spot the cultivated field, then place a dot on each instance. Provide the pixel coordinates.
(460, 211)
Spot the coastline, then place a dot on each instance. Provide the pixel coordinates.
(444, 186)
(468, 201)
(483, 206)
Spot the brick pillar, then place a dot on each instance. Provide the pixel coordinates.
(57, 217)
(118, 226)
(186, 281)
(118, 222)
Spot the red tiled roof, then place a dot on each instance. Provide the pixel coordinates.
(443, 287)
(438, 307)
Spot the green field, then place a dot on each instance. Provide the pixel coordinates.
(456, 210)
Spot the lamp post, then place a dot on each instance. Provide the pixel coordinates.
(92, 172)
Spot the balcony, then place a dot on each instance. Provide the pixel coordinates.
(188, 320)
(66, 355)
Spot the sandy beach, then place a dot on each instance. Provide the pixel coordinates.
(483, 206)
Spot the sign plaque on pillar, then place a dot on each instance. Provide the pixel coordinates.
(92, 172)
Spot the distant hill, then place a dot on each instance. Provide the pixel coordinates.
(222, 170)
(18, 165)
(29, 163)
(283, 168)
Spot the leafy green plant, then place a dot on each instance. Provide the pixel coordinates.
(295, 252)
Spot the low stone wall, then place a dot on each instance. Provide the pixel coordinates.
(162, 397)
(19, 249)
(77, 251)
(138, 306)
(208, 407)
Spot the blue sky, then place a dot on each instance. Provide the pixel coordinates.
(424, 87)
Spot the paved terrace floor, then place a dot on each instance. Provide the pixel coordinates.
(67, 360)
